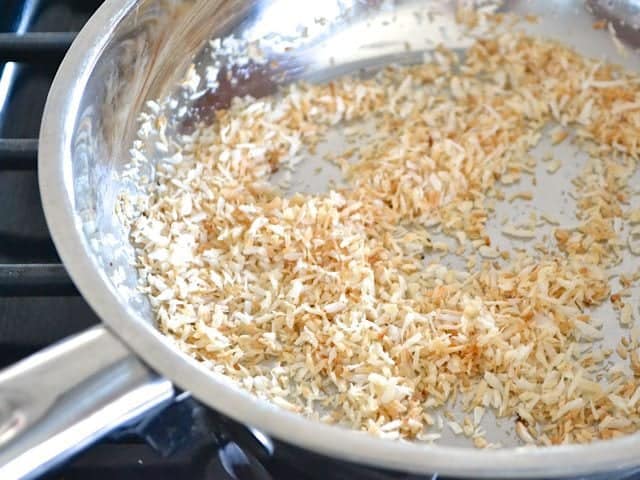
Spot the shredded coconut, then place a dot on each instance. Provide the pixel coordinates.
(323, 304)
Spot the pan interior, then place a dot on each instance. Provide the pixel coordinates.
(263, 48)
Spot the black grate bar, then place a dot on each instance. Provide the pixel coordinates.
(35, 47)
(18, 153)
(35, 280)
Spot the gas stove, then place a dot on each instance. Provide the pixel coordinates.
(40, 305)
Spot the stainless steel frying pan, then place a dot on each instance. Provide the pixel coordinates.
(63, 398)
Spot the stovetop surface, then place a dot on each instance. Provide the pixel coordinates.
(24, 237)
(187, 440)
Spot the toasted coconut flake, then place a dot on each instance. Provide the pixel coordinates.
(558, 135)
(549, 219)
(524, 434)
(575, 404)
(518, 232)
(455, 427)
(626, 315)
(553, 166)
(488, 252)
(599, 25)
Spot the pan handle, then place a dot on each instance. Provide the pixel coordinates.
(58, 401)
